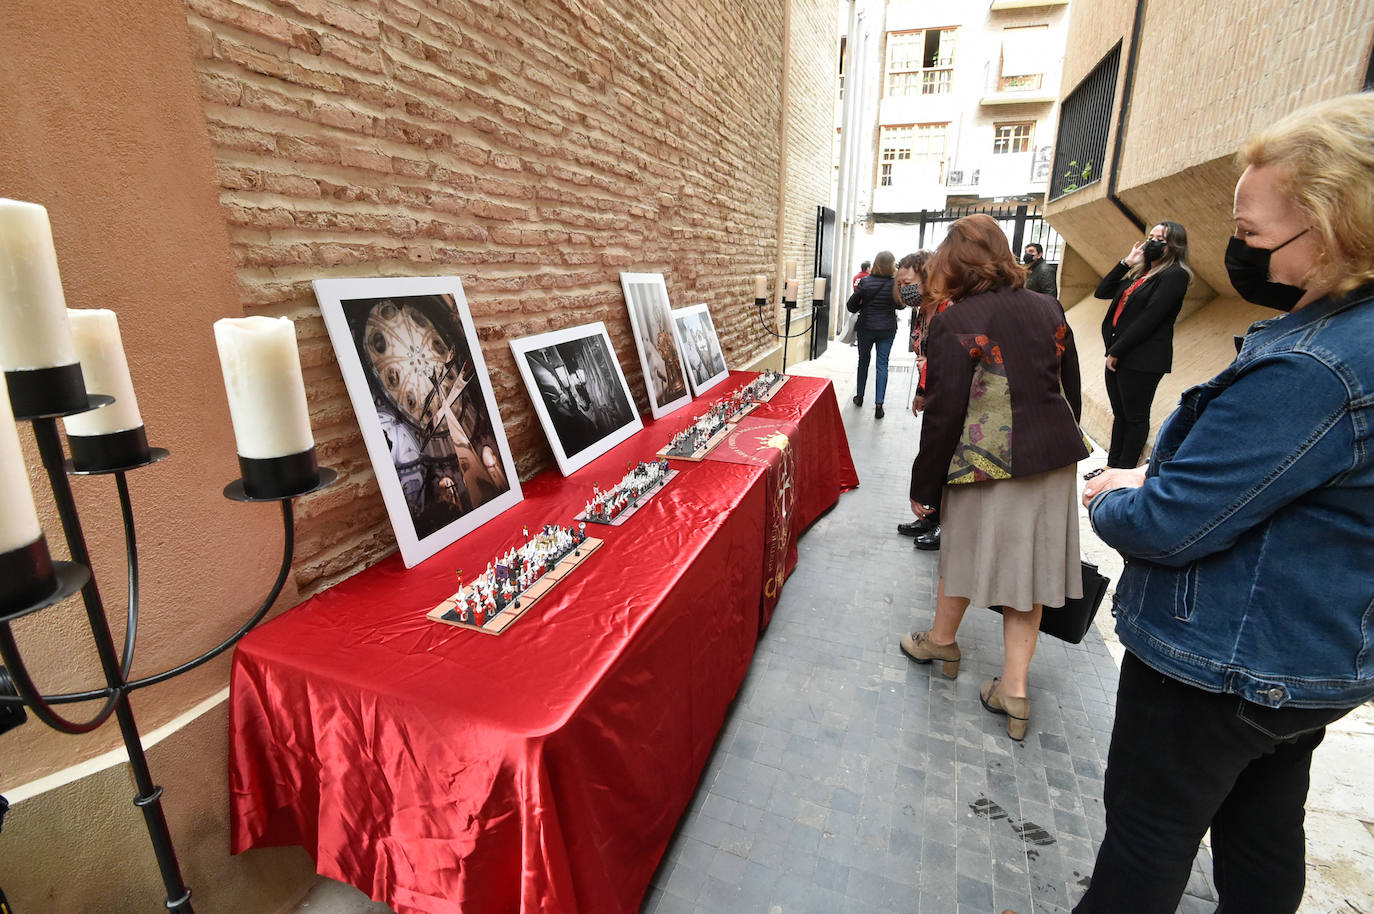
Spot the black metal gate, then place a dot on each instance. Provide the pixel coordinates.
(1024, 224)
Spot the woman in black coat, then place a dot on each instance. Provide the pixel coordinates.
(876, 304)
(1146, 290)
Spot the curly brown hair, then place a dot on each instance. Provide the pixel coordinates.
(974, 258)
(917, 262)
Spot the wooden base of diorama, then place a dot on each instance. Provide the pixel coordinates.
(533, 594)
(640, 502)
(777, 386)
(700, 453)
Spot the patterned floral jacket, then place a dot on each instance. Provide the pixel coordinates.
(1003, 397)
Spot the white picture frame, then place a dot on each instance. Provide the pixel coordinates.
(579, 392)
(646, 298)
(702, 356)
(414, 370)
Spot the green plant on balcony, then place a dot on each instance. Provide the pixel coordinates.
(1074, 174)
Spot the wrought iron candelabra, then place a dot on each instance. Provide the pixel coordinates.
(30, 581)
(788, 306)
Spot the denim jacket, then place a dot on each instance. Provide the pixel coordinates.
(1250, 547)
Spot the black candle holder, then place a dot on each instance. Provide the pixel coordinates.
(788, 306)
(56, 391)
(30, 581)
(126, 450)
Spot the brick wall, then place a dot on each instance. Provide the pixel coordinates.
(535, 150)
(813, 67)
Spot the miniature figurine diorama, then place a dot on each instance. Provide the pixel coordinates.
(762, 388)
(615, 505)
(710, 428)
(515, 580)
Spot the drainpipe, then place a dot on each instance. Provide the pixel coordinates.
(1126, 89)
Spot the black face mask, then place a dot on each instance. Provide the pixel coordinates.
(1153, 250)
(1028, 258)
(1248, 269)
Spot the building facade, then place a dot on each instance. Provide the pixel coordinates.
(1157, 98)
(969, 93)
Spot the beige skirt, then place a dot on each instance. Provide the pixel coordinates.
(1012, 542)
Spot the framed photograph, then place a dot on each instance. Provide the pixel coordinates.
(646, 296)
(579, 392)
(419, 386)
(696, 337)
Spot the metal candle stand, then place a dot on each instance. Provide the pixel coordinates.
(30, 581)
(788, 306)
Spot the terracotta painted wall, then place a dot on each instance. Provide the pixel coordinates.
(229, 151)
(114, 146)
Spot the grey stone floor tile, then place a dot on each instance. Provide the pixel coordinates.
(846, 776)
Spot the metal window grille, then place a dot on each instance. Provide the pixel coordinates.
(1085, 121)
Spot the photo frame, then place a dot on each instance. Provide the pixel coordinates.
(579, 392)
(646, 297)
(700, 347)
(415, 374)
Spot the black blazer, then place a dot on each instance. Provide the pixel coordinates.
(1143, 340)
(874, 304)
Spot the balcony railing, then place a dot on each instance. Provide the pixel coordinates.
(1022, 89)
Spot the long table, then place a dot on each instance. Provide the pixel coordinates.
(443, 770)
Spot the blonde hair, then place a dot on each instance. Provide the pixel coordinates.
(1324, 156)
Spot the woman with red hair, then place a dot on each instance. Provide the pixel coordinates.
(999, 443)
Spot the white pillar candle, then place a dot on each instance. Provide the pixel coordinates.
(791, 293)
(33, 313)
(106, 371)
(760, 286)
(790, 270)
(262, 375)
(819, 293)
(18, 519)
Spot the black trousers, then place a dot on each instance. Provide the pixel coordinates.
(1131, 393)
(1183, 760)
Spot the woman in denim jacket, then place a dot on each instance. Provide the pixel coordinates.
(1247, 602)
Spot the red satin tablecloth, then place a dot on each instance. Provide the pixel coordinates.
(445, 770)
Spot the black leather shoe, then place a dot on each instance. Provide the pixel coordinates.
(915, 528)
(930, 540)
(878, 411)
(858, 400)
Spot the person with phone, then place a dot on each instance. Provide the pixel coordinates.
(1146, 289)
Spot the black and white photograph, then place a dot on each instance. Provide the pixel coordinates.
(579, 392)
(646, 297)
(696, 337)
(419, 387)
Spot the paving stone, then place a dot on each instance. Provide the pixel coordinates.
(848, 778)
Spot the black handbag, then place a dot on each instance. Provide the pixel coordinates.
(1071, 621)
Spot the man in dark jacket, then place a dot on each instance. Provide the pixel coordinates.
(1040, 272)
